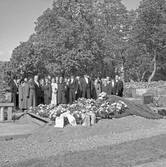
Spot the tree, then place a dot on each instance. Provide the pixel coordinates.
(27, 61)
(94, 37)
(5, 70)
(83, 36)
(137, 64)
(64, 31)
(150, 30)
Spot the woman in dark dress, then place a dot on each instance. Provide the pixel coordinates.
(47, 92)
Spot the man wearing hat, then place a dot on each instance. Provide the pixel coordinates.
(14, 91)
(85, 86)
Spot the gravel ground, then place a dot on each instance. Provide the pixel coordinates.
(50, 141)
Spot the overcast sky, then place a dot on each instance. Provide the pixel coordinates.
(17, 19)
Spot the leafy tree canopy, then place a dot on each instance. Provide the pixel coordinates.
(97, 37)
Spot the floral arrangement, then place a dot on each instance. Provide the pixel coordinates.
(3, 98)
(156, 101)
(3, 88)
(100, 107)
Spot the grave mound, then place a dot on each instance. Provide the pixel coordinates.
(135, 109)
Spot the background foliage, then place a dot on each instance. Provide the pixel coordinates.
(97, 37)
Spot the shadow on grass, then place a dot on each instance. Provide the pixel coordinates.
(121, 155)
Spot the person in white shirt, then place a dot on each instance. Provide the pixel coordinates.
(36, 80)
(113, 87)
(54, 92)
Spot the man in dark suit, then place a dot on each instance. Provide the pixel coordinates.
(38, 90)
(78, 95)
(62, 91)
(73, 89)
(47, 90)
(14, 91)
(119, 86)
(108, 85)
(85, 86)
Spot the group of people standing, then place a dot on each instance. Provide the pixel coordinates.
(58, 90)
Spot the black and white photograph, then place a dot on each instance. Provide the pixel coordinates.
(82, 83)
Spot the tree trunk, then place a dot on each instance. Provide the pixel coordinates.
(154, 67)
(143, 75)
(122, 72)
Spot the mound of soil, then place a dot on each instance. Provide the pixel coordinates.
(27, 119)
(103, 127)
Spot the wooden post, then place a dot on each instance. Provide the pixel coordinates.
(9, 113)
(2, 114)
